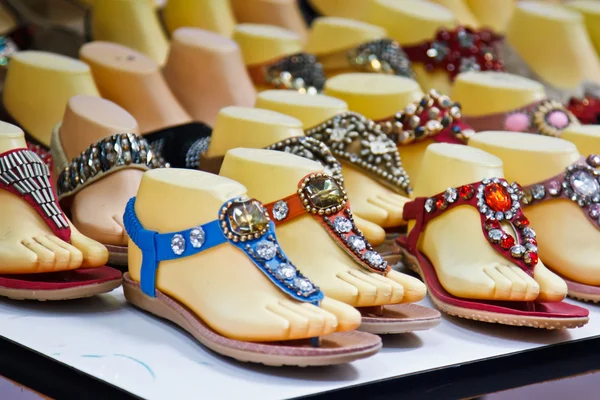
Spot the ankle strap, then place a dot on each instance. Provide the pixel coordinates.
(242, 223)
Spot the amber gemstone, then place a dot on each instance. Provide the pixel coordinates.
(497, 197)
(508, 242)
(466, 192)
(247, 217)
(522, 222)
(492, 224)
(323, 192)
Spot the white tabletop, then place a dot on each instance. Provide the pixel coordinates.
(111, 340)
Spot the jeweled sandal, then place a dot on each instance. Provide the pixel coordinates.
(496, 201)
(245, 224)
(579, 183)
(110, 155)
(322, 197)
(25, 175)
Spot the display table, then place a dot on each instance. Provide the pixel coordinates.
(104, 348)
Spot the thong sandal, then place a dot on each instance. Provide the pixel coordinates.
(579, 183)
(320, 196)
(25, 175)
(110, 155)
(255, 237)
(496, 201)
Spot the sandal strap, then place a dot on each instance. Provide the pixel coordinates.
(24, 174)
(546, 117)
(243, 223)
(360, 142)
(109, 155)
(181, 145)
(321, 196)
(434, 116)
(459, 50)
(580, 183)
(299, 71)
(497, 203)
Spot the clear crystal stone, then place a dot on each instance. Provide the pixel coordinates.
(594, 210)
(197, 237)
(429, 205)
(483, 209)
(373, 258)
(499, 215)
(495, 235)
(266, 249)
(531, 247)
(356, 243)
(285, 271)
(490, 214)
(303, 284)
(450, 195)
(528, 232)
(583, 183)
(538, 192)
(342, 224)
(280, 210)
(554, 188)
(178, 244)
(508, 215)
(517, 251)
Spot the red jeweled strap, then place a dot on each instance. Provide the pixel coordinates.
(579, 183)
(321, 196)
(459, 50)
(546, 117)
(586, 110)
(24, 174)
(497, 202)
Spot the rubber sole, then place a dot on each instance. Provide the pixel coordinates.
(60, 294)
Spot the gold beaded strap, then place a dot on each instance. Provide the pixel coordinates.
(111, 154)
(360, 142)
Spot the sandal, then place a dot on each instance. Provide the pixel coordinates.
(110, 155)
(323, 197)
(586, 194)
(496, 201)
(258, 242)
(25, 175)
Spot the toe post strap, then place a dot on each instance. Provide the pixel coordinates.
(498, 203)
(323, 197)
(243, 223)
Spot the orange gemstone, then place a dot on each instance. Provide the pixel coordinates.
(497, 197)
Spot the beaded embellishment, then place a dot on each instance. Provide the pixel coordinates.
(381, 56)
(300, 71)
(361, 142)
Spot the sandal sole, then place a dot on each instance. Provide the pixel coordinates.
(60, 294)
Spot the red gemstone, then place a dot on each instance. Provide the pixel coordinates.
(492, 224)
(532, 241)
(497, 197)
(521, 222)
(466, 192)
(508, 242)
(440, 202)
(533, 258)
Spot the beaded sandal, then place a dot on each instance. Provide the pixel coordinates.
(579, 183)
(245, 224)
(321, 196)
(299, 72)
(110, 155)
(496, 201)
(25, 175)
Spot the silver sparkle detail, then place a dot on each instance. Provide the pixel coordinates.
(429, 205)
(280, 210)
(517, 251)
(538, 192)
(495, 235)
(584, 184)
(266, 249)
(342, 224)
(178, 244)
(285, 271)
(357, 243)
(528, 232)
(450, 195)
(303, 284)
(373, 258)
(197, 237)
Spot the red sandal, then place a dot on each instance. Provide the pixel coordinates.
(496, 201)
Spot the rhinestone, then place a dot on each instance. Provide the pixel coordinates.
(280, 210)
(508, 242)
(583, 183)
(247, 217)
(373, 258)
(594, 160)
(517, 251)
(594, 210)
(508, 215)
(538, 192)
(521, 221)
(491, 224)
(178, 244)
(483, 209)
(266, 249)
(531, 258)
(450, 195)
(496, 235)
(323, 192)
(356, 243)
(466, 192)
(497, 197)
(430, 205)
(197, 237)
(528, 232)
(531, 247)
(342, 224)
(527, 197)
(285, 271)
(303, 284)
(499, 215)
(554, 188)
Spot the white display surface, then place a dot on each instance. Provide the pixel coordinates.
(115, 342)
